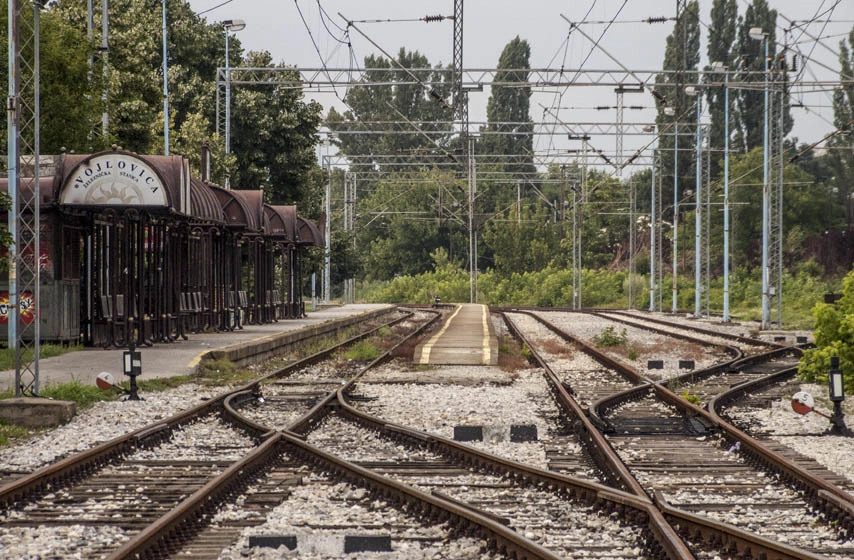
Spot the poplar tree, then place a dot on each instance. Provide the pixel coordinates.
(511, 105)
(682, 53)
(751, 102)
(722, 34)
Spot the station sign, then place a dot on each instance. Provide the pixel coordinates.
(114, 179)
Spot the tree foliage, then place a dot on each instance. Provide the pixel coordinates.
(834, 336)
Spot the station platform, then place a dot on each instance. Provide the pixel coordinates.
(466, 338)
(183, 356)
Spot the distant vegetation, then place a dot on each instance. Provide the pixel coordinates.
(552, 287)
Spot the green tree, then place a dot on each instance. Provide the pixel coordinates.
(804, 206)
(273, 138)
(722, 33)
(403, 102)
(751, 105)
(523, 245)
(682, 53)
(69, 99)
(840, 158)
(509, 130)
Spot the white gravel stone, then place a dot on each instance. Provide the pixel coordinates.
(439, 408)
(805, 434)
(71, 541)
(319, 513)
(647, 345)
(99, 423)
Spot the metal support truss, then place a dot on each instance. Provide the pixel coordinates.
(777, 100)
(23, 170)
(350, 227)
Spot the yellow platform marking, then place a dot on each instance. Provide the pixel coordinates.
(425, 351)
(195, 361)
(487, 354)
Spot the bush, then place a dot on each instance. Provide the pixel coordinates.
(610, 337)
(834, 336)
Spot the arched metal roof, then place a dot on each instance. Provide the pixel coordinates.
(241, 208)
(281, 221)
(204, 205)
(309, 233)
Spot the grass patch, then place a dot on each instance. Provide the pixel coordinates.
(362, 351)
(222, 372)
(9, 433)
(7, 355)
(161, 383)
(84, 395)
(555, 347)
(512, 356)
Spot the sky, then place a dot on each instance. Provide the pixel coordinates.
(278, 27)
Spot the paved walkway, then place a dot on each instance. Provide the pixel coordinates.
(467, 338)
(176, 358)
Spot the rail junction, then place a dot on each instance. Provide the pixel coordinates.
(561, 449)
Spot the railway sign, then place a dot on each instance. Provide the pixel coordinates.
(802, 402)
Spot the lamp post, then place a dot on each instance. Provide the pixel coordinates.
(229, 25)
(758, 34)
(837, 395)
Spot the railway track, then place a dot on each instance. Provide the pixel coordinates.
(686, 458)
(301, 464)
(115, 489)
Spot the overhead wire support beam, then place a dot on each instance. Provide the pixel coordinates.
(313, 78)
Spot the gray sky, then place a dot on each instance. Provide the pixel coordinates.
(276, 26)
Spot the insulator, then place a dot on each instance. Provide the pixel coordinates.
(794, 63)
(431, 19)
(659, 19)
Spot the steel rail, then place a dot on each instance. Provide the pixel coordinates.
(602, 452)
(634, 508)
(760, 455)
(175, 522)
(729, 336)
(831, 500)
(81, 464)
(731, 539)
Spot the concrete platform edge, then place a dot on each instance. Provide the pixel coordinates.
(254, 351)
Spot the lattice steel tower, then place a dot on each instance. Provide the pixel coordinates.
(24, 145)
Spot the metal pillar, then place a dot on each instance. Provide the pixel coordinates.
(674, 248)
(632, 243)
(23, 172)
(228, 110)
(775, 209)
(327, 268)
(766, 194)
(652, 237)
(725, 318)
(707, 221)
(619, 131)
(166, 85)
(472, 190)
(105, 53)
(698, 214)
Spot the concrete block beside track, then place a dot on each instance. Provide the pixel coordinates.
(36, 413)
